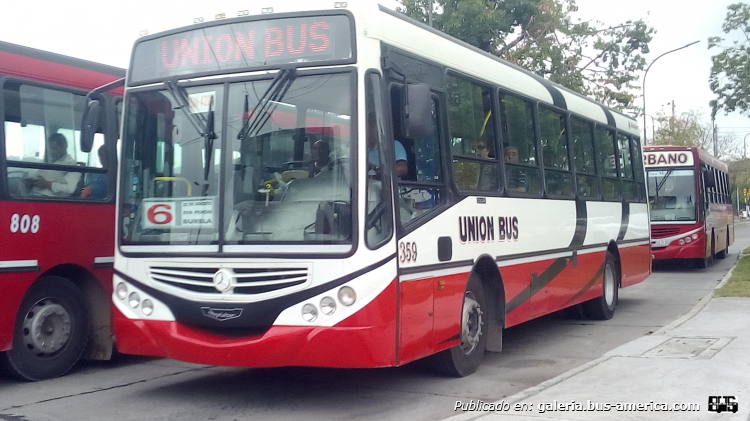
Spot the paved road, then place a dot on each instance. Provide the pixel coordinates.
(137, 388)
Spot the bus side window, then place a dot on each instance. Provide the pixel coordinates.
(42, 127)
(554, 139)
(519, 145)
(637, 154)
(473, 145)
(626, 169)
(583, 146)
(607, 163)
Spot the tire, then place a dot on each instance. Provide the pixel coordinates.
(53, 308)
(603, 307)
(723, 254)
(703, 263)
(465, 358)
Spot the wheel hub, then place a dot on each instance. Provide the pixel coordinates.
(46, 328)
(609, 286)
(471, 324)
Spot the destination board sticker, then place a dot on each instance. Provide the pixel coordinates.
(668, 158)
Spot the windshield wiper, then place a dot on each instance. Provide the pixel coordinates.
(663, 180)
(262, 110)
(203, 125)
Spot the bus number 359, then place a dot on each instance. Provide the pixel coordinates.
(407, 252)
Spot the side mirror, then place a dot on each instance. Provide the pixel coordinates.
(416, 111)
(89, 124)
(708, 178)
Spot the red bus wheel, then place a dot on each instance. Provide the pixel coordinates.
(50, 332)
(465, 358)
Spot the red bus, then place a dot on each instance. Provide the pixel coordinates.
(57, 213)
(690, 204)
(240, 243)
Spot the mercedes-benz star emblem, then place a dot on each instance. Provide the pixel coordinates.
(223, 280)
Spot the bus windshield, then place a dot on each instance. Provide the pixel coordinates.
(283, 147)
(671, 195)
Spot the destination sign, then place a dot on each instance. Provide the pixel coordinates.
(243, 46)
(667, 158)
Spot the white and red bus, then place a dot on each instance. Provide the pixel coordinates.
(57, 213)
(690, 204)
(229, 252)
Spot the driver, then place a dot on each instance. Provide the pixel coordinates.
(321, 160)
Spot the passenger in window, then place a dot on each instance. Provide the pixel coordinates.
(518, 180)
(488, 173)
(321, 159)
(373, 152)
(55, 182)
(96, 188)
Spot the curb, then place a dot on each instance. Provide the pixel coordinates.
(702, 303)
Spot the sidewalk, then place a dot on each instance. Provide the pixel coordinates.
(706, 352)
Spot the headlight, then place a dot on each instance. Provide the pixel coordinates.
(695, 236)
(147, 307)
(682, 242)
(309, 312)
(121, 290)
(134, 299)
(347, 296)
(327, 306)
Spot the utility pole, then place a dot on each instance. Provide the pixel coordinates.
(429, 13)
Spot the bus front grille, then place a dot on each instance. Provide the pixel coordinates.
(663, 232)
(240, 279)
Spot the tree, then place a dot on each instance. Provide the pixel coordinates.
(540, 35)
(730, 70)
(690, 129)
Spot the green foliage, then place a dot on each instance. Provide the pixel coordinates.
(540, 35)
(730, 71)
(689, 129)
(738, 284)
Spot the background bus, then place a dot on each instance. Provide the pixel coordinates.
(505, 198)
(57, 213)
(690, 202)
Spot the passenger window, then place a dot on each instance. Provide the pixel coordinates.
(475, 161)
(626, 168)
(42, 145)
(519, 147)
(554, 141)
(637, 154)
(583, 146)
(607, 161)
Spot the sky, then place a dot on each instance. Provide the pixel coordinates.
(105, 33)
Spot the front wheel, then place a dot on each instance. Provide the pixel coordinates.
(603, 307)
(50, 332)
(465, 358)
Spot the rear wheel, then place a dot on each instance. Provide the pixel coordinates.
(50, 331)
(465, 358)
(723, 254)
(706, 261)
(603, 307)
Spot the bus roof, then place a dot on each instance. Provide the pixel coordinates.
(21, 61)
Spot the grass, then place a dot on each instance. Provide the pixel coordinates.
(739, 284)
